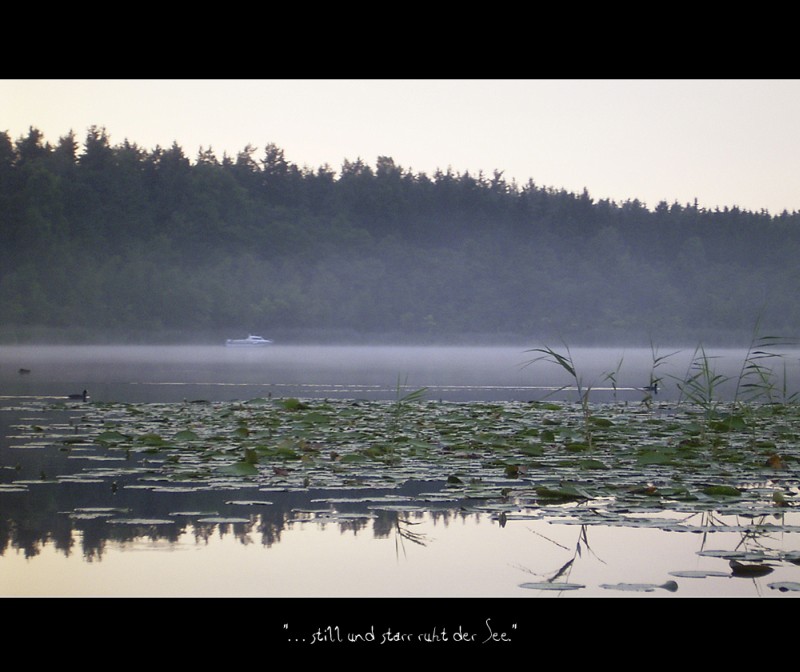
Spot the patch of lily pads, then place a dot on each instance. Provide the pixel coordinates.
(612, 466)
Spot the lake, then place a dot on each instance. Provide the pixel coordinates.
(82, 518)
(216, 373)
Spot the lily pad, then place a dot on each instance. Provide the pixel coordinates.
(745, 570)
(186, 435)
(656, 458)
(111, 438)
(292, 404)
(566, 492)
(786, 586)
(670, 586)
(722, 491)
(547, 585)
(631, 587)
(249, 502)
(592, 464)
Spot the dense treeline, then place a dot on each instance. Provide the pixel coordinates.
(98, 239)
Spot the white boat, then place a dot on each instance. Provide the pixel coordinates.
(249, 341)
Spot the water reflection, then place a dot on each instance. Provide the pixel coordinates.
(727, 548)
(395, 554)
(559, 579)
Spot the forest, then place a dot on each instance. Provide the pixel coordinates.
(103, 242)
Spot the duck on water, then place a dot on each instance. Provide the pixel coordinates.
(83, 396)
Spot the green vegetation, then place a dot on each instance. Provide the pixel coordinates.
(757, 380)
(502, 458)
(701, 383)
(98, 239)
(566, 362)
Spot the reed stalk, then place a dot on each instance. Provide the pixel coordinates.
(566, 362)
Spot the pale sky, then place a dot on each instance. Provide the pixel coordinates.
(723, 142)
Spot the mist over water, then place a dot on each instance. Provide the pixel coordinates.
(463, 373)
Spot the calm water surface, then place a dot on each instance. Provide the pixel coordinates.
(353, 544)
(216, 373)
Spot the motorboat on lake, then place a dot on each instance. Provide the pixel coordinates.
(250, 341)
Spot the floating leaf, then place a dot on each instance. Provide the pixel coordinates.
(292, 404)
(631, 587)
(786, 586)
(722, 491)
(315, 418)
(562, 493)
(249, 502)
(776, 462)
(73, 440)
(656, 457)
(729, 424)
(731, 555)
(546, 585)
(111, 438)
(698, 574)
(740, 569)
(151, 439)
(284, 452)
(592, 464)
(577, 447)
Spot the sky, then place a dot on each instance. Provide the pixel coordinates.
(722, 142)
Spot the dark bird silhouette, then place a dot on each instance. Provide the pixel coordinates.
(653, 387)
(23, 372)
(83, 396)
